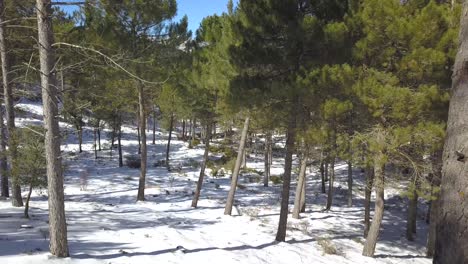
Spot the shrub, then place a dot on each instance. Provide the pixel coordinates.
(327, 246)
(133, 161)
(276, 179)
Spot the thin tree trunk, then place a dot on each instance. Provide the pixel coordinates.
(374, 230)
(139, 132)
(367, 200)
(452, 225)
(95, 143)
(322, 176)
(331, 183)
(284, 211)
(16, 198)
(266, 176)
(300, 187)
(80, 139)
(235, 173)
(190, 130)
(144, 153)
(28, 198)
(57, 221)
(119, 138)
(154, 127)
(168, 149)
(196, 197)
(99, 137)
(350, 183)
(183, 130)
(326, 171)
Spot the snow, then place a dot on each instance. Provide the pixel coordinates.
(107, 225)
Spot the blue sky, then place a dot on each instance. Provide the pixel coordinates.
(196, 10)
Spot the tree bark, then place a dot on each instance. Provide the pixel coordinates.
(16, 198)
(322, 175)
(452, 227)
(367, 200)
(57, 220)
(434, 203)
(374, 230)
(331, 182)
(412, 213)
(183, 130)
(119, 139)
(95, 143)
(300, 187)
(28, 198)
(266, 176)
(168, 149)
(284, 211)
(154, 127)
(192, 140)
(196, 196)
(139, 129)
(142, 119)
(80, 139)
(326, 170)
(99, 136)
(235, 173)
(350, 183)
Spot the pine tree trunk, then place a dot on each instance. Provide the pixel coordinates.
(168, 149)
(196, 196)
(350, 183)
(16, 198)
(452, 226)
(189, 136)
(57, 221)
(154, 127)
(99, 137)
(80, 139)
(322, 176)
(192, 141)
(266, 176)
(284, 211)
(139, 132)
(412, 213)
(95, 143)
(300, 187)
(331, 183)
(144, 153)
(374, 230)
(183, 130)
(28, 198)
(367, 200)
(235, 173)
(434, 204)
(326, 171)
(119, 142)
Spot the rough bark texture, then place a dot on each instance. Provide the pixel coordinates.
(144, 153)
(350, 183)
(452, 227)
(235, 173)
(154, 127)
(434, 204)
(168, 148)
(57, 220)
(367, 200)
(412, 214)
(16, 198)
(300, 187)
(196, 196)
(331, 183)
(374, 230)
(266, 174)
(284, 211)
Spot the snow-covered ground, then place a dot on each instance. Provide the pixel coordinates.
(107, 225)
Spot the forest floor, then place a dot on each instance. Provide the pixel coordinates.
(107, 225)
